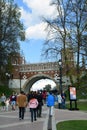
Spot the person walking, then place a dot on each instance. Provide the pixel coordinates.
(13, 101)
(3, 99)
(59, 101)
(44, 95)
(21, 102)
(32, 105)
(50, 103)
(63, 100)
(40, 101)
(7, 104)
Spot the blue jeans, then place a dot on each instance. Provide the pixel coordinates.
(33, 114)
(63, 104)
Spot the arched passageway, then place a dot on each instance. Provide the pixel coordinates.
(28, 84)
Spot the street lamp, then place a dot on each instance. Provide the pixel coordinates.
(60, 69)
(20, 80)
(8, 77)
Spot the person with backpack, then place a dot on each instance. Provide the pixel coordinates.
(32, 105)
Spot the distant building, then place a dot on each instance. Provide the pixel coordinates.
(17, 59)
(69, 57)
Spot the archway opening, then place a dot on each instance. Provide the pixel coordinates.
(42, 83)
(38, 82)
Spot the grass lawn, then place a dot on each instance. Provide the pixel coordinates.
(74, 124)
(82, 106)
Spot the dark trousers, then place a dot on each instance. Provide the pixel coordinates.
(59, 105)
(33, 114)
(39, 110)
(21, 112)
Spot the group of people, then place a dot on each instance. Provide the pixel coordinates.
(34, 101)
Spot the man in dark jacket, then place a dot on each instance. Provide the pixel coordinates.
(40, 101)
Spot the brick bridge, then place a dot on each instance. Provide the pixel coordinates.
(25, 75)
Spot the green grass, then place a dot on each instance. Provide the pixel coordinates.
(72, 125)
(81, 105)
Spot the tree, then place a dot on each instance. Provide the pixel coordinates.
(67, 31)
(11, 30)
(47, 87)
(58, 39)
(78, 22)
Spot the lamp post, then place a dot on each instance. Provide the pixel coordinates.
(20, 80)
(60, 69)
(8, 77)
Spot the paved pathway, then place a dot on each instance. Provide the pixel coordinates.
(63, 115)
(9, 120)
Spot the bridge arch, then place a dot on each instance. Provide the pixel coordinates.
(30, 81)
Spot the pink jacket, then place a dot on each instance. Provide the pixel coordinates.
(33, 103)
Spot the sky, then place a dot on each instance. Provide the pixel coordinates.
(42, 83)
(32, 12)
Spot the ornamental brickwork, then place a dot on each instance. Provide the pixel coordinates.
(29, 70)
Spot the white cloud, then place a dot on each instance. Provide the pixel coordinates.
(40, 8)
(26, 17)
(36, 32)
(33, 21)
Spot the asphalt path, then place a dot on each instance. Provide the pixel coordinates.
(10, 121)
(66, 115)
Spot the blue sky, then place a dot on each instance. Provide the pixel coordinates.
(32, 12)
(32, 52)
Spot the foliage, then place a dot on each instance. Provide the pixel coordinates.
(47, 87)
(11, 31)
(82, 89)
(7, 91)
